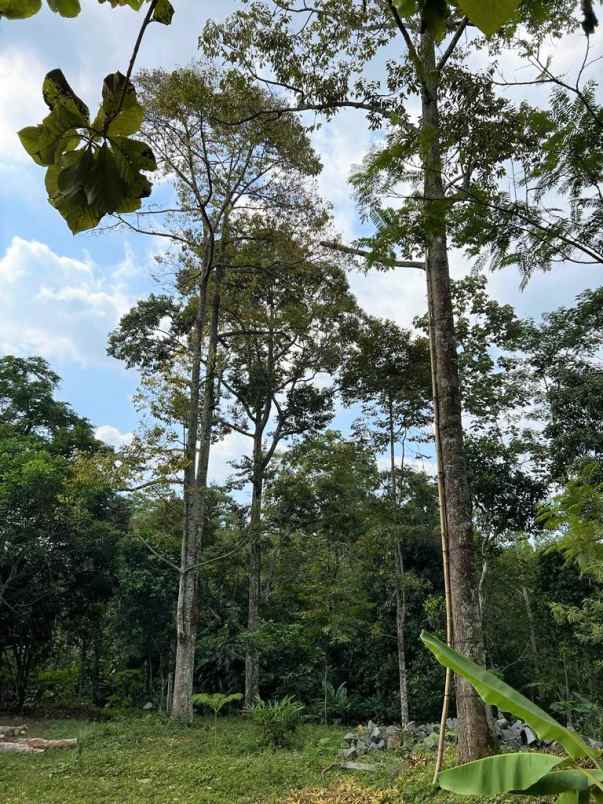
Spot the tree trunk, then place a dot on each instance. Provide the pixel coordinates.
(400, 592)
(252, 661)
(531, 627)
(199, 432)
(474, 739)
(400, 625)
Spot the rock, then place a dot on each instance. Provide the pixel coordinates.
(350, 737)
(12, 731)
(375, 733)
(348, 753)
(148, 706)
(392, 742)
(527, 736)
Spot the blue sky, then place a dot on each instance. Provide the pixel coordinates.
(60, 296)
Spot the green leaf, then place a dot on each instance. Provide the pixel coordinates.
(573, 798)
(434, 16)
(120, 113)
(494, 691)
(406, 8)
(135, 4)
(19, 9)
(66, 8)
(489, 15)
(163, 13)
(562, 781)
(57, 93)
(138, 153)
(500, 774)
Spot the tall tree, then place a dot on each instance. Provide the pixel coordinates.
(220, 169)
(387, 371)
(283, 322)
(321, 55)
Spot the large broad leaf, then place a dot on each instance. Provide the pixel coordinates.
(58, 132)
(489, 15)
(66, 8)
(135, 4)
(562, 781)
(57, 93)
(120, 113)
(19, 9)
(494, 691)
(500, 774)
(163, 13)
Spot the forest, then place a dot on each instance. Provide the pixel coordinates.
(392, 589)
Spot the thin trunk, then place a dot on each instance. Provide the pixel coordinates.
(474, 739)
(252, 662)
(199, 432)
(400, 581)
(531, 628)
(181, 705)
(481, 588)
(83, 674)
(400, 625)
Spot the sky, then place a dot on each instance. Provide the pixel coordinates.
(60, 295)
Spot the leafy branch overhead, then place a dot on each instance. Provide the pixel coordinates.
(94, 168)
(487, 15)
(21, 9)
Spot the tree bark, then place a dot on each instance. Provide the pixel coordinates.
(474, 739)
(400, 591)
(252, 661)
(199, 433)
(400, 626)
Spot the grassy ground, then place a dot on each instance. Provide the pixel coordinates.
(148, 759)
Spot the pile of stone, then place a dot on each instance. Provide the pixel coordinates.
(365, 739)
(420, 737)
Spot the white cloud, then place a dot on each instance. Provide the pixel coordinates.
(399, 294)
(22, 105)
(231, 448)
(68, 305)
(112, 436)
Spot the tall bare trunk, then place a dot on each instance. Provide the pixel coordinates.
(474, 739)
(400, 626)
(400, 591)
(531, 627)
(199, 433)
(252, 661)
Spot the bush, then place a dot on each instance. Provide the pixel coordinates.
(58, 686)
(278, 719)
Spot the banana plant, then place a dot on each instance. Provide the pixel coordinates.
(576, 778)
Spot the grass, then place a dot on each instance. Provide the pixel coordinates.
(149, 759)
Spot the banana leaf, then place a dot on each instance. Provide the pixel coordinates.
(494, 691)
(562, 781)
(498, 774)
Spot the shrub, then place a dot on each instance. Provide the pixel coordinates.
(278, 719)
(58, 686)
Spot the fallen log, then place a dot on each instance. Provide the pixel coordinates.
(38, 742)
(20, 747)
(34, 744)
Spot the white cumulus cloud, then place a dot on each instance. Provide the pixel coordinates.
(57, 306)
